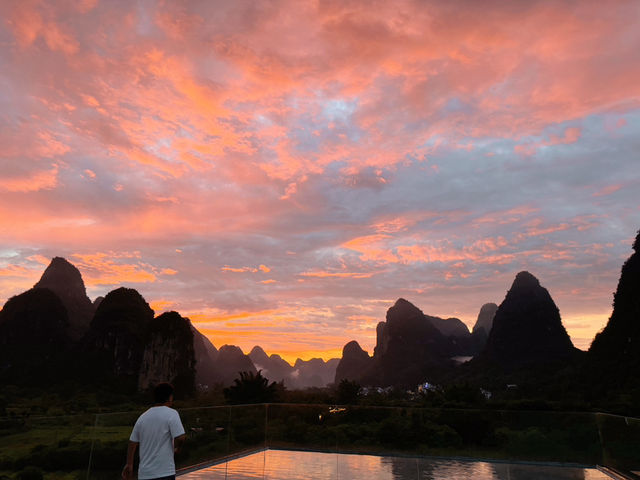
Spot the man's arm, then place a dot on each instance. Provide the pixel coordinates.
(178, 441)
(127, 471)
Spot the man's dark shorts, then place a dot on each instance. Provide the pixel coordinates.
(170, 477)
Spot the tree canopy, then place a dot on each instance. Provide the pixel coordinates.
(251, 388)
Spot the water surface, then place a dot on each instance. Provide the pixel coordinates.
(293, 465)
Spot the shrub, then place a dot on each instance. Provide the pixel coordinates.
(29, 473)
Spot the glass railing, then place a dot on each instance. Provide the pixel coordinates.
(94, 446)
(31, 445)
(494, 434)
(620, 440)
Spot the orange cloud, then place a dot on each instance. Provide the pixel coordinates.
(261, 268)
(162, 305)
(322, 274)
(372, 248)
(104, 269)
(219, 316)
(534, 232)
(17, 271)
(42, 180)
(28, 24)
(503, 217)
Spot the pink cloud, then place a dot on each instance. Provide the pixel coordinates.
(324, 274)
(261, 268)
(33, 182)
(27, 22)
(346, 134)
(102, 269)
(608, 190)
(570, 135)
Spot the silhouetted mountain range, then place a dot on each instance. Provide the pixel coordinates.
(484, 322)
(117, 336)
(353, 364)
(410, 348)
(314, 372)
(527, 328)
(273, 367)
(527, 342)
(34, 337)
(169, 353)
(65, 280)
(54, 332)
(614, 356)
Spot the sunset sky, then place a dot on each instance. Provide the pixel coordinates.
(281, 172)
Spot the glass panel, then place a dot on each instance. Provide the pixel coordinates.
(46, 444)
(217, 433)
(509, 435)
(310, 427)
(109, 446)
(620, 442)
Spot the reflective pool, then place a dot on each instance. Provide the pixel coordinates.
(297, 465)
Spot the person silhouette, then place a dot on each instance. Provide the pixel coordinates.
(159, 434)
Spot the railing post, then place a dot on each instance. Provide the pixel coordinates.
(266, 427)
(93, 440)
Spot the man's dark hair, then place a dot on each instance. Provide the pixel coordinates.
(162, 392)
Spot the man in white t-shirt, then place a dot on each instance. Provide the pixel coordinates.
(159, 433)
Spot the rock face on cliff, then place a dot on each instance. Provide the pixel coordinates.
(65, 281)
(409, 349)
(273, 367)
(206, 355)
(34, 340)
(117, 336)
(614, 356)
(527, 330)
(354, 362)
(485, 318)
(169, 354)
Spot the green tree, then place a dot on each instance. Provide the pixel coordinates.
(251, 388)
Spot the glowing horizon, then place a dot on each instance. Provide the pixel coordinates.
(281, 173)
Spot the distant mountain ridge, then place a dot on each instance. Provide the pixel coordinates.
(272, 367)
(118, 341)
(411, 347)
(53, 332)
